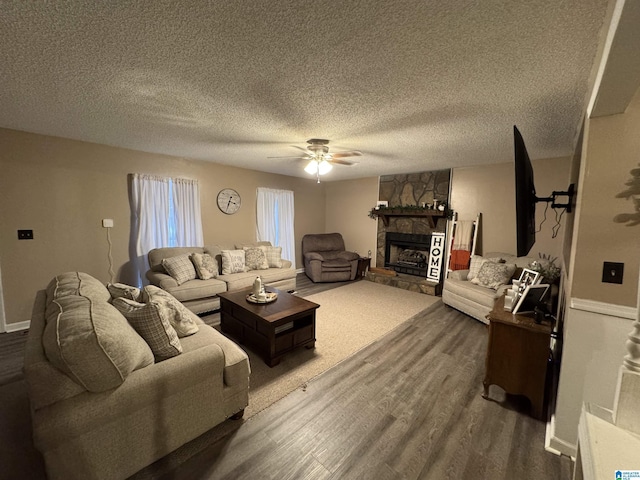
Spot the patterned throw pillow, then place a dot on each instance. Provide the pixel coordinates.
(122, 290)
(232, 261)
(155, 328)
(274, 256)
(180, 268)
(474, 266)
(180, 317)
(492, 275)
(206, 266)
(255, 259)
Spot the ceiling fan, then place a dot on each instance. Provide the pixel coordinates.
(319, 158)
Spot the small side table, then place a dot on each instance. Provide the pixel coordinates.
(364, 263)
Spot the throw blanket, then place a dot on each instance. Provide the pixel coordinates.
(461, 248)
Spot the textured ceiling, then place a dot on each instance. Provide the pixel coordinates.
(415, 84)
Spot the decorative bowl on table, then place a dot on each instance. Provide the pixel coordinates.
(268, 298)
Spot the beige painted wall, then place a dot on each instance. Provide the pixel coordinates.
(612, 149)
(490, 190)
(599, 315)
(347, 207)
(62, 189)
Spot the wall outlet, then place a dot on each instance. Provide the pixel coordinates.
(612, 272)
(25, 234)
(107, 222)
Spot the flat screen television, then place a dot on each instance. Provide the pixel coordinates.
(525, 197)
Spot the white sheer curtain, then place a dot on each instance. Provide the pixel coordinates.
(166, 213)
(274, 215)
(186, 209)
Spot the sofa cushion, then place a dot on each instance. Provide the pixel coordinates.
(151, 321)
(241, 281)
(183, 320)
(274, 255)
(180, 268)
(232, 261)
(195, 289)
(206, 266)
(471, 292)
(255, 258)
(77, 283)
(492, 275)
(122, 290)
(236, 366)
(92, 342)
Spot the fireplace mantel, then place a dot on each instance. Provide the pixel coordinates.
(431, 215)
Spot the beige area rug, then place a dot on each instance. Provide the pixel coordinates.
(349, 318)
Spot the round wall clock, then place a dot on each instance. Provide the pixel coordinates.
(229, 201)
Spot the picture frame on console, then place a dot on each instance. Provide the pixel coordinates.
(528, 277)
(531, 298)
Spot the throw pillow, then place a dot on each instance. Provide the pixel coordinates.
(183, 320)
(232, 261)
(180, 268)
(492, 275)
(92, 342)
(122, 290)
(205, 265)
(273, 254)
(255, 259)
(148, 321)
(474, 266)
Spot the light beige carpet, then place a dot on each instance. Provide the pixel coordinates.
(349, 318)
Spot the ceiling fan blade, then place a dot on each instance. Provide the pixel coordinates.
(353, 153)
(342, 162)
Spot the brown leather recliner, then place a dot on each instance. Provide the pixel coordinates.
(326, 260)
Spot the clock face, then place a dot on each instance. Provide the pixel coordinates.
(229, 201)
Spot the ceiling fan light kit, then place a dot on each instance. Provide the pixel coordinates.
(320, 160)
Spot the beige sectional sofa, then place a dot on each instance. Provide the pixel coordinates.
(102, 406)
(477, 300)
(201, 296)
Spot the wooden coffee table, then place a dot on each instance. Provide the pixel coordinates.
(269, 329)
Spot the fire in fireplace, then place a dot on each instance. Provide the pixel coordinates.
(407, 253)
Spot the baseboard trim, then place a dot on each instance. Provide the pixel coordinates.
(556, 445)
(18, 326)
(602, 308)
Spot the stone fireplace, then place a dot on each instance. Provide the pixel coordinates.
(411, 189)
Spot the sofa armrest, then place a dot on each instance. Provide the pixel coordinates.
(286, 263)
(459, 274)
(161, 280)
(143, 387)
(313, 256)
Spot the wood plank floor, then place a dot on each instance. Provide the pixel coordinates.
(407, 407)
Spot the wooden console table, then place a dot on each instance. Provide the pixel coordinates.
(517, 356)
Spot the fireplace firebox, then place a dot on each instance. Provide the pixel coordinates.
(407, 253)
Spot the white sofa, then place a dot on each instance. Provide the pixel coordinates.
(476, 300)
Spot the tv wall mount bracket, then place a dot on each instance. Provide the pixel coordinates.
(553, 199)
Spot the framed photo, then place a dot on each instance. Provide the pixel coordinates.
(531, 297)
(528, 277)
(382, 203)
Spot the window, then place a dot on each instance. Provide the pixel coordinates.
(274, 217)
(166, 213)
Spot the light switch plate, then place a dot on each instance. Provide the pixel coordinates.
(107, 222)
(612, 272)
